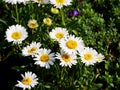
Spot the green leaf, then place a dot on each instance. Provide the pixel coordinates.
(47, 86)
(99, 85)
(3, 21)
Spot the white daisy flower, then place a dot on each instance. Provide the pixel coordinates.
(89, 56)
(100, 58)
(31, 49)
(41, 1)
(11, 1)
(58, 33)
(16, 34)
(29, 81)
(66, 59)
(23, 1)
(45, 58)
(60, 3)
(16, 1)
(71, 44)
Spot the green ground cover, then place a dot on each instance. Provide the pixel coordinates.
(98, 24)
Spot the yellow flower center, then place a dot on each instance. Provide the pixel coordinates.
(71, 44)
(59, 35)
(44, 58)
(32, 24)
(88, 56)
(99, 59)
(60, 1)
(66, 58)
(26, 81)
(32, 50)
(16, 35)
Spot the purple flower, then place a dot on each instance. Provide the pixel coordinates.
(75, 12)
(72, 13)
(69, 14)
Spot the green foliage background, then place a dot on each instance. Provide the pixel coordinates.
(99, 26)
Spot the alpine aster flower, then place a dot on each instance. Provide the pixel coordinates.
(41, 1)
(66, 59)
(45, 58)
(100, 58)
(89, 56)
(71, 44)
(60, 3)
(16, 34)
(31, 49)
(16, 1)
(29, 81)
(58, 33)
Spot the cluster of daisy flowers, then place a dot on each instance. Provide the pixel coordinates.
(56, 3)
(26, 1)
(71, 48)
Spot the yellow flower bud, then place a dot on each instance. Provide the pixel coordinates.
(32, 24)
(47, 21)
(54, 10)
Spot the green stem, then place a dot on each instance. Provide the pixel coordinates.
(13, 88)
(7, 55)
(62, 14)
(19, 47)
(32, 31)
(63, 73)
(17, 15)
